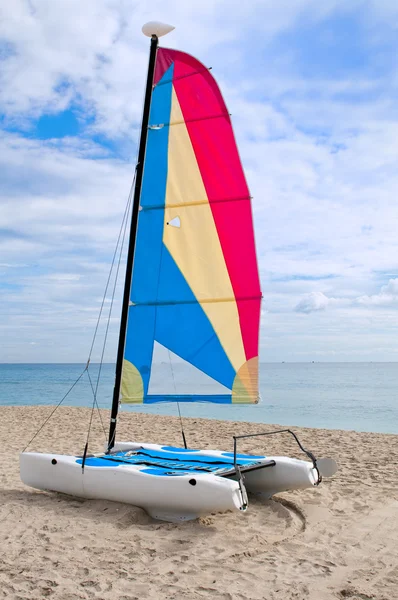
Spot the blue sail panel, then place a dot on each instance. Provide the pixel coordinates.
(184, 328)
(148, 250)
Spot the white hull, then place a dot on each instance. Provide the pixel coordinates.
(170, 498)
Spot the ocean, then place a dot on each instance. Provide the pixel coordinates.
(350, 396)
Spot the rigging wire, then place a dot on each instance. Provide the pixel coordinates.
(178, 404)
(122, 234)
(55, 408)
(122, 228)
(114, 286)
(98, 408)
(168, 349)
(120, 250)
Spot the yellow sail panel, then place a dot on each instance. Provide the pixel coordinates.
(132, 389)
(194, 244)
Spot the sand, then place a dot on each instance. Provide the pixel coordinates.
(337, 541)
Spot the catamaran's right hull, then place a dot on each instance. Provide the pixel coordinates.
(286, 473)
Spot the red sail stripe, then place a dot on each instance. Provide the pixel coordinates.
(219, 163)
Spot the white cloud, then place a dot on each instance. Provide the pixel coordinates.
(64, 209)
(93, 52)
(319, 151)
(312, 302)
(388, 296)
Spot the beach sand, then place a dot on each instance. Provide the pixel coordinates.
(337, 541)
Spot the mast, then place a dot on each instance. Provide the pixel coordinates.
(133, 228)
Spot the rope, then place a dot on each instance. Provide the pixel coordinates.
(114, 290)
(98, 408)
(122, 234)
(53, 411)
(178, 404)
(112, 442)
(122, 226)
(124, 229)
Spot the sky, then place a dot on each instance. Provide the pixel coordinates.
(312, 89)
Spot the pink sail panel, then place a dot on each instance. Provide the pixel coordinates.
(210, 130)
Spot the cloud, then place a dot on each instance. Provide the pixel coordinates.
(103, 68)
(315, 118)
(388, 296)
(312, 302)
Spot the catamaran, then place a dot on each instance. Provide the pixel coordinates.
(191, 287)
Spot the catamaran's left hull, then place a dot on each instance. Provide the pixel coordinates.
(166, 498)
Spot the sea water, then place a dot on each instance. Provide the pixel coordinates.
(351, 396)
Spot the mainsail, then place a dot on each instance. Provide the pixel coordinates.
(195, 286)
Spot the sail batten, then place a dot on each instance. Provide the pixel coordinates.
(196, 203)
(205, 69)
(197, 300)
(183, 122)
(195, 286)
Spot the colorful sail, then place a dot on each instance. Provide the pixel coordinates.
(195, 287)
